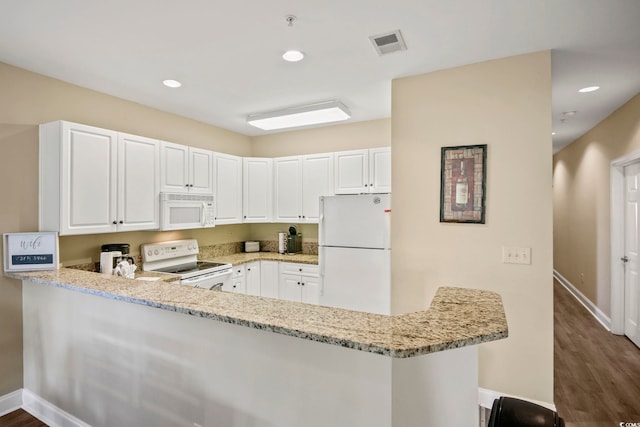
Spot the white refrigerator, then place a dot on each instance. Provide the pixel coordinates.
(355, 252)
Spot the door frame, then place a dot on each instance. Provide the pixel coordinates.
(617, 239)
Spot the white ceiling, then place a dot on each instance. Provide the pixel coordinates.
(228, 54)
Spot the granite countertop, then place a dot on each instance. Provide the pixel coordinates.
(457, 317)
(245, 257)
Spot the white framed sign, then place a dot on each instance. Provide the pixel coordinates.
(30, 251)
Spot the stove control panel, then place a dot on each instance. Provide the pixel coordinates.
(169, 250)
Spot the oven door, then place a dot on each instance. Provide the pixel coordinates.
(215, 280)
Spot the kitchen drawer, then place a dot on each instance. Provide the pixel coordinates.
(309, 270)
(238, 271)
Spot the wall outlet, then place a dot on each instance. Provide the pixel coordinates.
(516, 255)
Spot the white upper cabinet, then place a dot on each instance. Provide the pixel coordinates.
(363, 171)
(257, 181)
(299, 181)
(380, 170)
(95, 180)
(317, 180)
(287, 174)
(138, 183)
(186, 169)
(228, 186)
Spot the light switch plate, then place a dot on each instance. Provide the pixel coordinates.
(516, 255)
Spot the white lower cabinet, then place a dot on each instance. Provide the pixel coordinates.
(238, 283)
(269, 279)
(299, 283)
(252, 278)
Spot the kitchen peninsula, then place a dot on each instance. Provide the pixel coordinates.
(113, 351)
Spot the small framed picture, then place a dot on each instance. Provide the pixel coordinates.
(30, 251)
(463, 184)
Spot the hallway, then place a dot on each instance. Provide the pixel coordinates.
(596, 373)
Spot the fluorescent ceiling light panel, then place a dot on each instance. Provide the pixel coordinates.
(322, 112)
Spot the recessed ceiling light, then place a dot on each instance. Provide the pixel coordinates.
(293, 56)
(171, 83)
(589, 89)
(553, 133)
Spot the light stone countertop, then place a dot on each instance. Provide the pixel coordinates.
(457, 317)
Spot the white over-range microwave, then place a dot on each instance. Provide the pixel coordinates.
(180, 211)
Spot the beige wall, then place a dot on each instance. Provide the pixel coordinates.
(352, 136)
(581, 194)
(29, 99)
(505, 104)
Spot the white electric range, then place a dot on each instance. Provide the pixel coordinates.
(180, 257)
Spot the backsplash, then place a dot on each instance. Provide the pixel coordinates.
(214, 251)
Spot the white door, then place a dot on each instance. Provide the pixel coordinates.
(311, 290)
(380, 170)
(287, 172)
(317, 180)
(631, 282)
(352, 172)
(289, 287)
(356, 279)
(200, 171)
(269, 279)
(175, 164)
(89, 184)
(257, 205)
(252, 278)
(228, 186)
(360, 221)
(138, 183)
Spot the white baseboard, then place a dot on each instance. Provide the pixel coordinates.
(10, 402)
(47, 412)
(604, 320)
(39, 408)
(486, 398)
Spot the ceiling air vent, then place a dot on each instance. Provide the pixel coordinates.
(388, 42)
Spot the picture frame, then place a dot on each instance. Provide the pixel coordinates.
(463, 177)
(31, 251)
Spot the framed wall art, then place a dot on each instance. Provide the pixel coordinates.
(463, 177)
(30, 251)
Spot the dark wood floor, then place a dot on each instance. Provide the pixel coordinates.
(20, 418)
(596, 374)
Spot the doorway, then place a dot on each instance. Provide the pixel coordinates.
(625, 247)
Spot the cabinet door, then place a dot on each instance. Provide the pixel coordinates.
(174, 161)
(317, 180)
(310, 290)
(287, 189)
(138, 183)
(200, 171)
(351, 172)
(289, 287)
(380, 170)
(238, 283)
(252, 278)
(89, 180)
(269, 279)
(228, 188)
(257, 181)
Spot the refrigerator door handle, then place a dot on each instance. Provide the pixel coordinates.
(321, 262)
(321, 222)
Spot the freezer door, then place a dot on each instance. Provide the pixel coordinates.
(358, 221)
(356, 279)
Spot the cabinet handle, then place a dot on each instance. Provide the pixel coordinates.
(115, 222)
(245, 216)
(303, 284)
(299, 269)
(298, 283)
(365, 185)
(121, 222)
